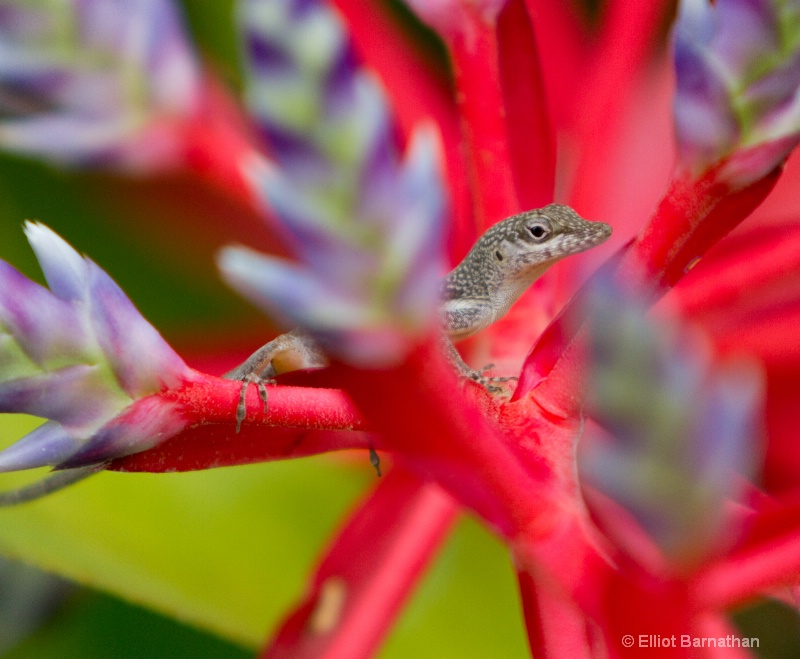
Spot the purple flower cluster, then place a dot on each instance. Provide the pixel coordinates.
(81, 355)
(364, 224)
(89, 82)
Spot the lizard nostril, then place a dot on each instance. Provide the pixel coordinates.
(499, 255)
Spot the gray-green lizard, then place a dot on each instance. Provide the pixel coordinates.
(502, 264)
(499, 268)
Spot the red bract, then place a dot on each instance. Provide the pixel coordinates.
(523, 76)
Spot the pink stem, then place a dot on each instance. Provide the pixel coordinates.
(368, 572)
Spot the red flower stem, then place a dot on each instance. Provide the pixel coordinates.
(555, 626)
(476, 60)
(741, 575)
(446, 436)
(368, 572)
(627, 34)
(692, 216)
(439, 431)
(717, 625)
(298, 421)
(561, 553)
(531, 140)
(216, 445)
(564, 45)
(759, 260)
(209, 399)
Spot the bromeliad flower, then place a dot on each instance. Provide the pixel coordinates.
(95, 82)
(681, 431)
(660, 516)
(366, 225)
(82, 356)
(738, 76)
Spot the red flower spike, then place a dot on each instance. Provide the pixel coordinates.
(605, 93)
(368, 572)
(301, 418)
(555, 626)
(476, 59)
(531, 140)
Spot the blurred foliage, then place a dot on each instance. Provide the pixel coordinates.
(95, 626)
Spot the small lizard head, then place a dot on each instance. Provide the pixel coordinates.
(518, 250)
(525, 245)
(507, 259)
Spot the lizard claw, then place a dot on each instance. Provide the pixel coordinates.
(486, 381)
(241, 407)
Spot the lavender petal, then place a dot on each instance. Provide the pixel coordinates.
(48, 445)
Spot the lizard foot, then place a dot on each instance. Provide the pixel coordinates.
(241, 407)
(487, 381)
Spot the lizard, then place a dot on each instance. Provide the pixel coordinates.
(499, 268)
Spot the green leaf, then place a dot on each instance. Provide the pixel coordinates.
(230, 550)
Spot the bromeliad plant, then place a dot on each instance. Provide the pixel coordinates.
(674, 424)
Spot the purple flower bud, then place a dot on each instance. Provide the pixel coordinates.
(82, 356)
(88, 81)
(738, 95)
(682, 431)
(364, 224)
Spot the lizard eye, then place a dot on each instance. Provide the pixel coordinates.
(538, 231)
